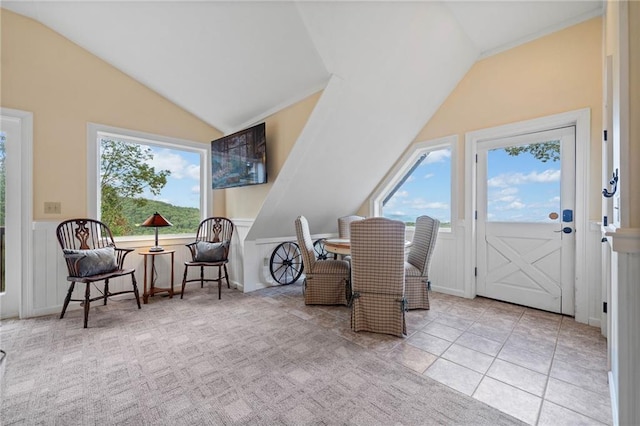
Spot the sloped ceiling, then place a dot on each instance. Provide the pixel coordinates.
(385, 67)
(374, 105)
(225, 62)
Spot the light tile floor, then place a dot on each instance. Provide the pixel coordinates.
(540, 367)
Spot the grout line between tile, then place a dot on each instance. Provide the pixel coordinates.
(485, 308)
(484, 375)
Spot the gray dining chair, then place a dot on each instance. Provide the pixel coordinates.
(416, 268)
(326, 282)
(377, 274)
(344, 224)
(344, 231)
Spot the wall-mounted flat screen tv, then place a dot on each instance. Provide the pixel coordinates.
(240, 159)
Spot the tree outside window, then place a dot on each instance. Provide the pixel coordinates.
(422, 183)
(138, 178)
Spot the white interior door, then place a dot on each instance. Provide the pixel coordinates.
(10, 138)
(526, 219)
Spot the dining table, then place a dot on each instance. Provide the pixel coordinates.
(343, 246)
(338, 246)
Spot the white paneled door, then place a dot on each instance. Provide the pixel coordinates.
(526, 219)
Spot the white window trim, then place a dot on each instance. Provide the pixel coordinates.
(93, 167)
(406, 162)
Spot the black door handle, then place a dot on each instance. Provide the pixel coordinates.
(566, 230)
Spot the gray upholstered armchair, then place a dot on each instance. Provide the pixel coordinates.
(416, 268)
(344, 230)
(344, 223)
(377, 274)
(326, 281)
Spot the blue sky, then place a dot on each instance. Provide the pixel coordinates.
(427, 191)
(520, 189)
(183, 185)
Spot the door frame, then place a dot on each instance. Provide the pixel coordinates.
(24, 220)
(581, 119)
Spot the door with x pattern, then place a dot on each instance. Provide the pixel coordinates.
(525, 219)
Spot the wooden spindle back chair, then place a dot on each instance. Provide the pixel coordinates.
(91, 256)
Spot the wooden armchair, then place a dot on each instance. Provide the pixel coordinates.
(210, 249)
(91, 256)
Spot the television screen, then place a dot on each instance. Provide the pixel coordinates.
(239, 159)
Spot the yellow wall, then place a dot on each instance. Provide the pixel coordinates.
(556, 73)
(65, 87)
(283, 129)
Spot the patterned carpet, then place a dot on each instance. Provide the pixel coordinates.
(261, 358)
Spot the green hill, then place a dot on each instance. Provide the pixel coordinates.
(185, 220)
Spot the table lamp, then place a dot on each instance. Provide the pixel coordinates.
(156, 220)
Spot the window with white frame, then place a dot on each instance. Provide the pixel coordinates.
(135, 175)
(421, 184)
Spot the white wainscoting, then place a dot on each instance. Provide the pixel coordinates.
(593, 281)
(447, 264)
(445, 273)
(623, 249)
(258, 256)
(236, 254)
(249, 266)
(50, 283)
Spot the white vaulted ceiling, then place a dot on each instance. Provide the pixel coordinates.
(385, 67)
(374, 105)
(225, 62)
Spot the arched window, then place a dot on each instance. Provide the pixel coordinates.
(421, 184)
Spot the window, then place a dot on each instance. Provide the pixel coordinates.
(523, 182)
(421, 184)
(136, 174)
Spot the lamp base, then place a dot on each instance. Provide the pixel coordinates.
(156, 249)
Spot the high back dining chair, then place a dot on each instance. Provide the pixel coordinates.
(344, 223)
(210, 249)
(91, 255)
(326, 282)
(377, 274)
(416, 268)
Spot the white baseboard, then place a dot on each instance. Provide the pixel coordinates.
(450, 291)
(50, 310)
(260, 286)
(237, 285)
(595, 322)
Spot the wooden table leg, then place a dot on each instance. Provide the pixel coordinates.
(145, 294)
(171, 291)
